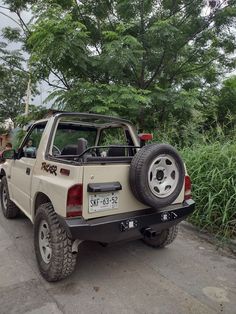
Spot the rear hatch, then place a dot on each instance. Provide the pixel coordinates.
(115, 195)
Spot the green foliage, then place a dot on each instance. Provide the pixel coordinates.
(212, 171)
(13, 85)
(13, 79)
(166, 54)
(35, 113)
(103, 99)
(159, 63)
(17, 5)
(17, 138)
(70, 137)
(11, 34)
(58, 40)
(226, 104)
(113, 136)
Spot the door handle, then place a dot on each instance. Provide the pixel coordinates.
(27, 171)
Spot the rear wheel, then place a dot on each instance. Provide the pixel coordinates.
(9, 209)
(162, 239)
(53, 246)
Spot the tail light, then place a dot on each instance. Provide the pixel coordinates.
(187, 189)
(75, 201)
(145, 137)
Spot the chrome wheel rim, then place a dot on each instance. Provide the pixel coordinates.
(4, 197)
(45, 242)
(163, 176)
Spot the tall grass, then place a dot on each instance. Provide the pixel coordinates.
(212, 168)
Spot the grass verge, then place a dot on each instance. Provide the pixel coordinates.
(212, 169)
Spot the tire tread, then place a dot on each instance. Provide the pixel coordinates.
(12, 210)
(63, 259)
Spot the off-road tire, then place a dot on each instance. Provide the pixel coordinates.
(162, 239)
(63, 260)
(10, 210)
(138, 175)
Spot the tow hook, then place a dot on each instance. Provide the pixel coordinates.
(149, 233)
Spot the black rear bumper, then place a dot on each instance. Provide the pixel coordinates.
(128, 226)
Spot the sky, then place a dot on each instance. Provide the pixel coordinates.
(43, 88)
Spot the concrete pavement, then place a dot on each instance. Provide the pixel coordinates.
(189, 276)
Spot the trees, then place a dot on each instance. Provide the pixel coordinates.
(143, 59)
(14, 75)
(13, 84)
(226, 103)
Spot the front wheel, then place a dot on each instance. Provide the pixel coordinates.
(53, 246)
(9, 209)
(162, 239)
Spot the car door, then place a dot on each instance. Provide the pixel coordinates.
(22, 168)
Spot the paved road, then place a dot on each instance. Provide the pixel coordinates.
(188, 277)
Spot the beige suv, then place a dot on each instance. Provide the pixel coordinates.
(91, 177)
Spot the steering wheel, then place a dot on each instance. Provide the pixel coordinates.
(56, 150)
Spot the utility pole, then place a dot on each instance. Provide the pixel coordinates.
(28, 95)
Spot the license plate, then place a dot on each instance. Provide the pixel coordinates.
(103, 201)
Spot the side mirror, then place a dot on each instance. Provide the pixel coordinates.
(145, 137)
(9, 154)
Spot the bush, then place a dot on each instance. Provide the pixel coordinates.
(212, 169)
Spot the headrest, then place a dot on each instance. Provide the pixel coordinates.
(70, 150)
(82, 145)
(116, 151)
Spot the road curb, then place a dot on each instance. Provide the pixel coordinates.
(219, 242)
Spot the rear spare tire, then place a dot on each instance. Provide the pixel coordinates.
(157, 175)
